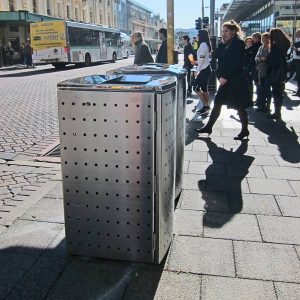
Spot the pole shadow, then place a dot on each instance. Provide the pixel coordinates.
(237, 166)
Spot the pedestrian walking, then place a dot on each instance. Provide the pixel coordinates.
(28, 54)
(277, 67)
(203, 71)
(142, 52)
(247, 64)
(256, 38)
(264, 88)
(296, 61)
(9, 52)
(188, 58)
(233, 90)
(162, 55)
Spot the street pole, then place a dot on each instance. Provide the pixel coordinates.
(213, 78)
(170, 28)
(202, 9)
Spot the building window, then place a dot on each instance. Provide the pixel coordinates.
(48, 8)
(68, 12)
(91, 16)
(83, 15)
(101, 17)
(12, 5)
(76, 13)
(59, 10)
(34, 6)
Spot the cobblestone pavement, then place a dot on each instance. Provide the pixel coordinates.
(28, 107)
(236, 225)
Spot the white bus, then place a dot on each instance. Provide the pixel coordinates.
(126, 45)
(65, 42)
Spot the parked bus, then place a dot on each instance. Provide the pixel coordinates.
(65, 42)
(126, 45)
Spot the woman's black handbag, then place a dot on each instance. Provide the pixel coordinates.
(297, 45)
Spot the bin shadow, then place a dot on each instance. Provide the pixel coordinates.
(31, 273)
(237, 166)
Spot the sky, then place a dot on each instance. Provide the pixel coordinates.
(186, 11)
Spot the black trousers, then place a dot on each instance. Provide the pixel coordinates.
(277, 92)
(297, 69)
(189, 80)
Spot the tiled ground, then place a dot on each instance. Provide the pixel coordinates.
(236, 228)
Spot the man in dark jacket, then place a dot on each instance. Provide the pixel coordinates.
(142, 52)
(162, 55)
(256, 38)
(188, 53)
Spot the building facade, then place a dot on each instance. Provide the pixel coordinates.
(127, 15)
(262, 15)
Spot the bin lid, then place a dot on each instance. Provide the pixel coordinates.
(122, 82)
(152, 68)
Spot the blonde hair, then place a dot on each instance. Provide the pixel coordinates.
(138, 35)
(265, 35)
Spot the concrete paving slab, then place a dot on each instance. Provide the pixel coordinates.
(185, 166)
(288, 291)
(296, 187)
(192, 181)
(284, 230)
(236, 227)
(201, 256)
(178, 286)
(2, 228)
(289, 206)
(266, 261)
(56, 192)
(57, 247)
(195, 156)
(270, 187)
(37, 282)
(225, 184)
(214, 287)
(288, 161)
(254, 204)
(98, 280)
(143, 282)
(267, 150)
(188, 222)
(265, 160)
(27, 236)
(235, 170)
(207, 168)
(46, 210)
(13, 267)
(202, 200)
(282, 172)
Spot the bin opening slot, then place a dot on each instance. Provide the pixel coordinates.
(130, 79)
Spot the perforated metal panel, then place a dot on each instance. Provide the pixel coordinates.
(180, 108)
(112, 165)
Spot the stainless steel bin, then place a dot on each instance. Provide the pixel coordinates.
(118, 163)
(180, 73)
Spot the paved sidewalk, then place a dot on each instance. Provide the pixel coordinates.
(236, 227)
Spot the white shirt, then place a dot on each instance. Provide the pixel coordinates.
(202, 57)
(295, 56)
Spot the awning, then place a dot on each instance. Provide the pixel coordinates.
(23, 17)
(240, 10)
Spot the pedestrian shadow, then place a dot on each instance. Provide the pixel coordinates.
(190, 133)
(237, 166)
(31, 273)
(278, 134)
(289, 103)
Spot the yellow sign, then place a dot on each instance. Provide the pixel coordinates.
(45, 35)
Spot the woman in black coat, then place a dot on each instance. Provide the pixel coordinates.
(233, 90)
(277, 67)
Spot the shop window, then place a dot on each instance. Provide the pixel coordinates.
(68, 12)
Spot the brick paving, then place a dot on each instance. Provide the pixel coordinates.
(28, 107)
(236, 225)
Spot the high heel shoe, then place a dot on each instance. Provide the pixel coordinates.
(204, 129)
(242, 135)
